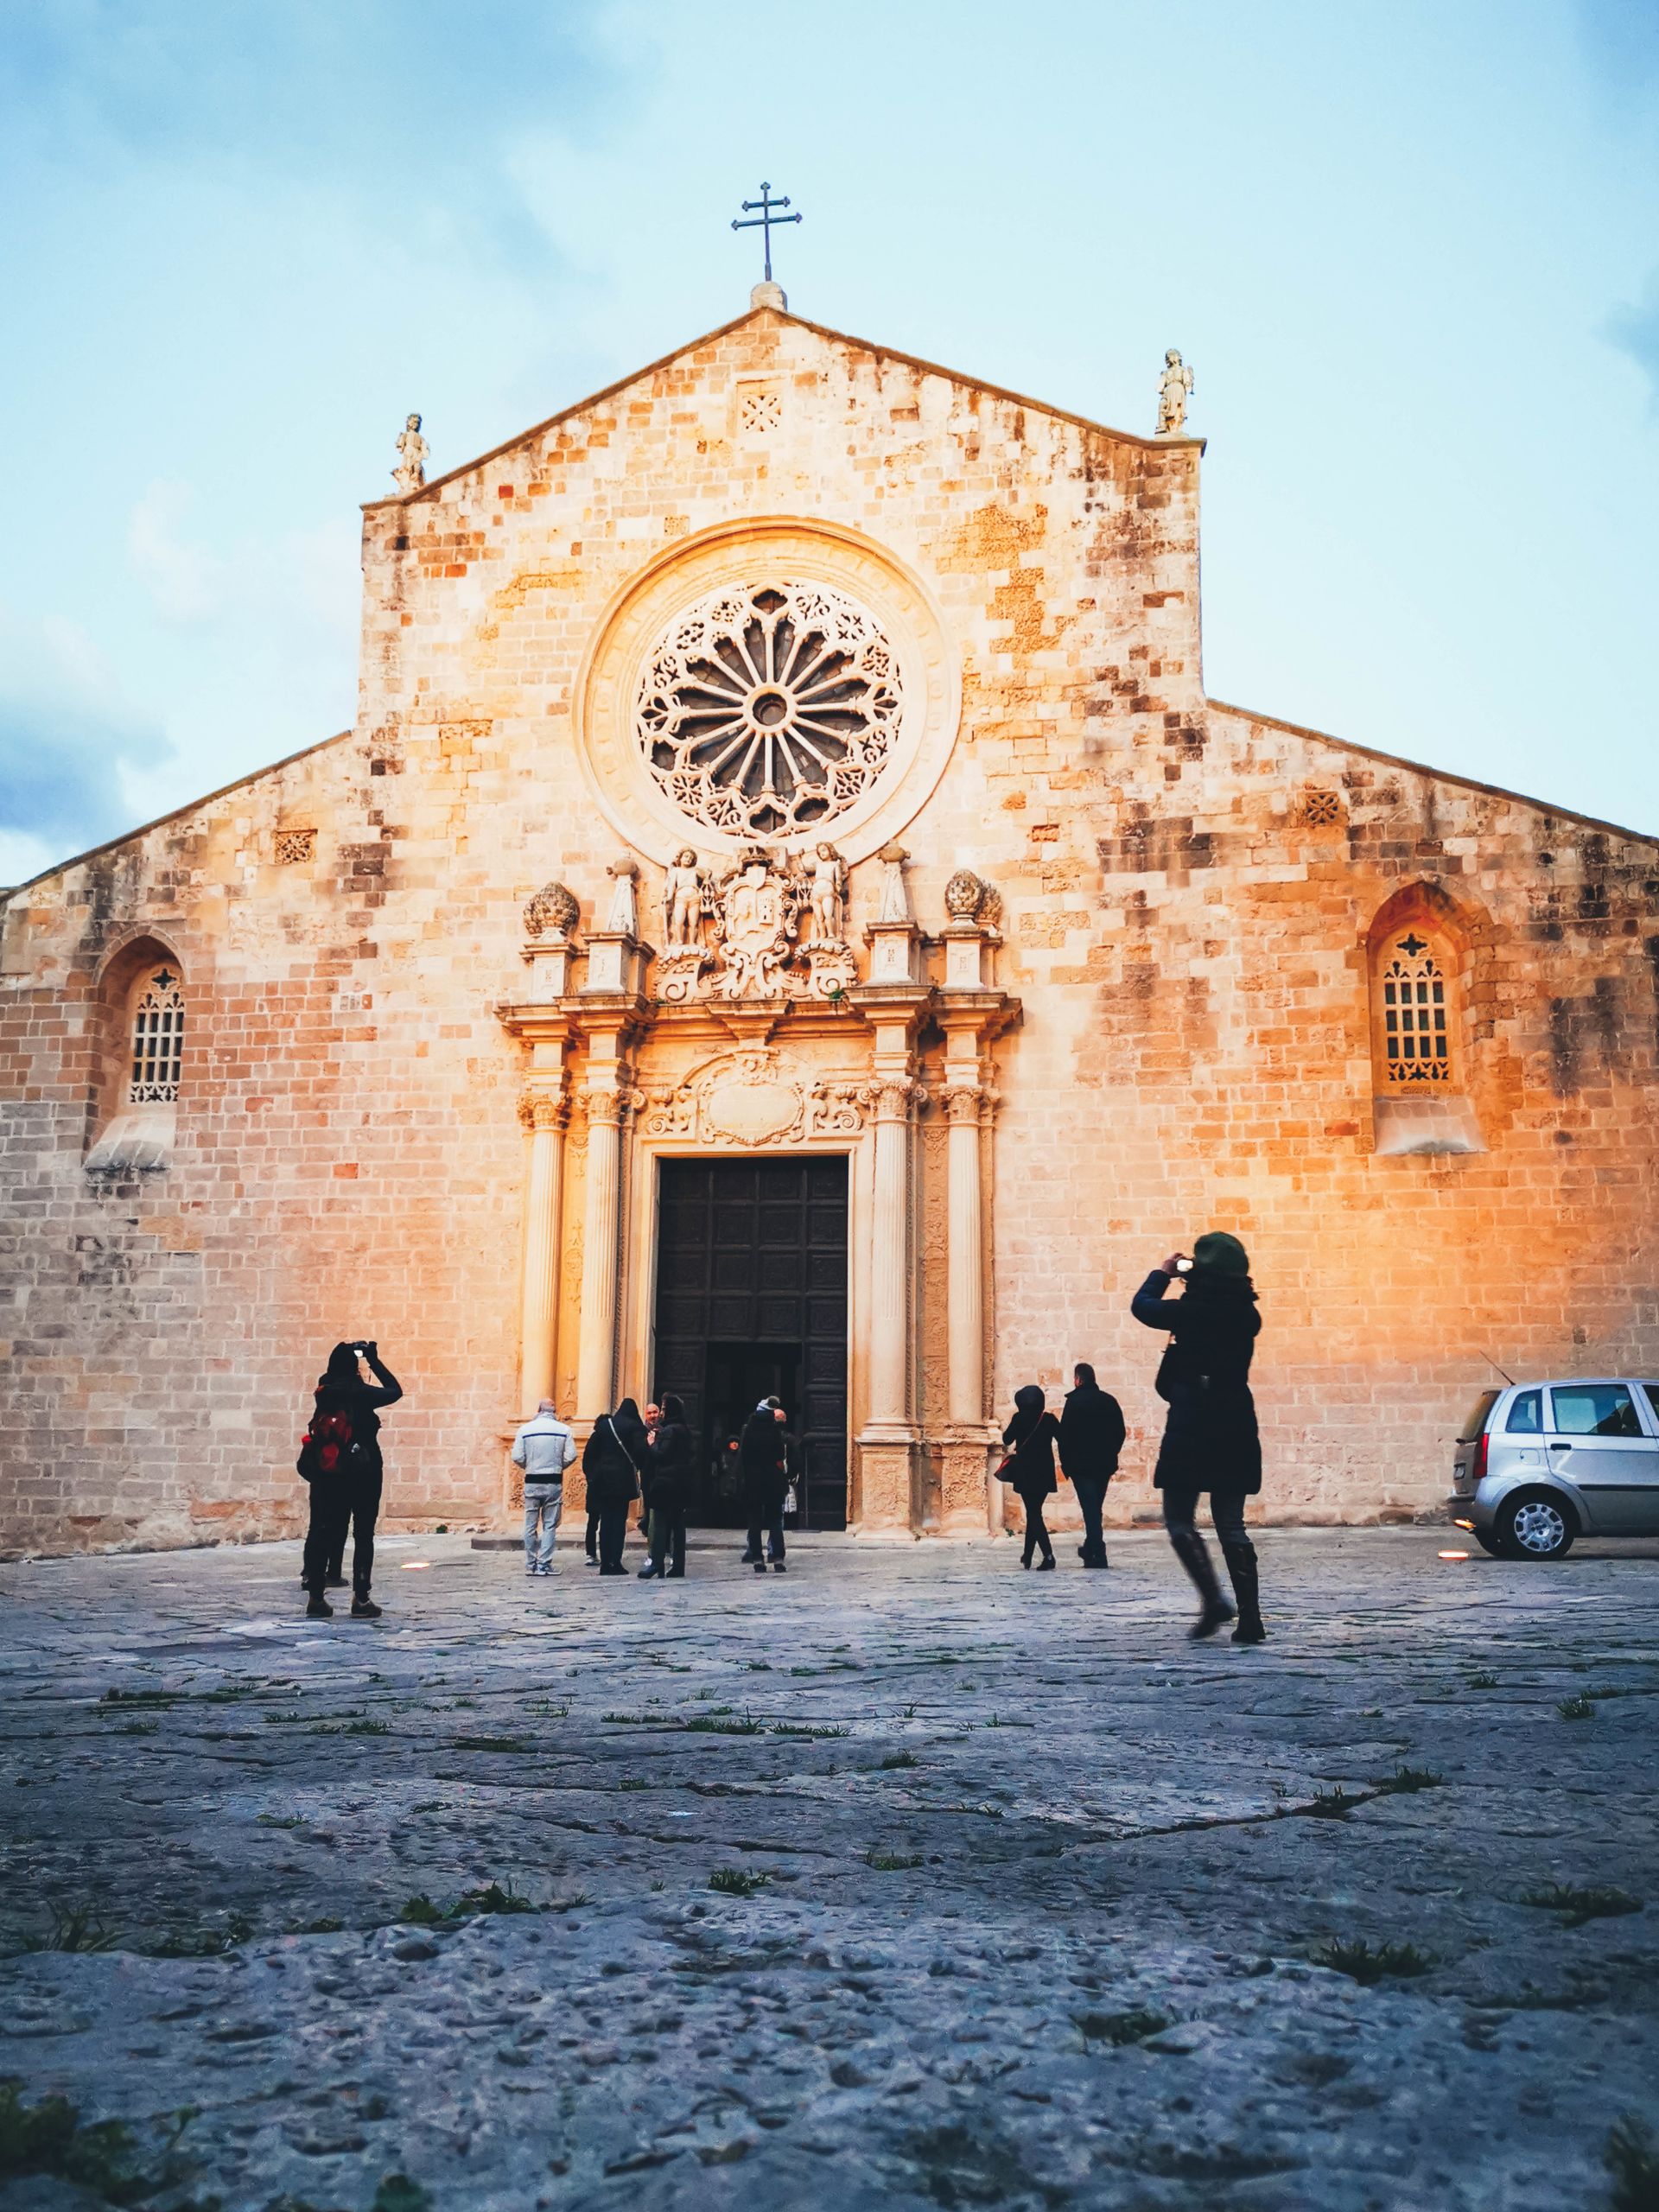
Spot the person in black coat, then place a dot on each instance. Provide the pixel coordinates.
(1030, 1437)
(612, 1460)
(1210, 1439)
(340, 1459)
(1091, 1437)
(763, 1459)
(669, 1466)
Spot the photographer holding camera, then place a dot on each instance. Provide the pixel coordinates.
(1211, 1440)
(340, 1457)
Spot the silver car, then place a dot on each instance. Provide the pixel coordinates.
(1540, 1464)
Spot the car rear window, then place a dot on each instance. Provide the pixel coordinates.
(1594, 1409)
(1477, 1419)
(1526, 1415)
(1652, 1389)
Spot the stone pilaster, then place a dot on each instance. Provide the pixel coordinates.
(543, 1113)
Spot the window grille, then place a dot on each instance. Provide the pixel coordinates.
(1415, 1025)
(157, 1040)
(294, 845)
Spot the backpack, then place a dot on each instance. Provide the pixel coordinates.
(329, 1446)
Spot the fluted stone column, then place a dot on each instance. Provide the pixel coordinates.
(600, 1257)
(965, 1396)
(545, 1116)
(890, 1257)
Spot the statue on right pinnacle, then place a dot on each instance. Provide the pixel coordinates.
(1172, 389)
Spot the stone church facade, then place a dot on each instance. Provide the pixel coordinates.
(788, 911)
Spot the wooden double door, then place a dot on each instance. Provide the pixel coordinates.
(752, 1302)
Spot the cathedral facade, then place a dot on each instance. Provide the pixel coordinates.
(789, 916)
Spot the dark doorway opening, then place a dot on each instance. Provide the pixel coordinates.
(751, 1303)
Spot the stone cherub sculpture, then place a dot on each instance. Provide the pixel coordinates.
(685, 900)
(410, 471)
(1173, 387)
(827, 879)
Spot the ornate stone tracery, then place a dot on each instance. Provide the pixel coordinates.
(769, 707)
(750, 1097)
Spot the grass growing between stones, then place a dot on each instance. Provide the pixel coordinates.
(1577, 1905)
(1405, 1781)
(47, 2140)
(1330, 1804)
(1633, 2163)
(1577, 1708)
(1117, 2029)
(420, 1911)
(1369, 1963)
(735, 1882)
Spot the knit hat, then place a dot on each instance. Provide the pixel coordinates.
(1218, 1254)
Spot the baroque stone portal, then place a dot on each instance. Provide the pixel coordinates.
(757, 909)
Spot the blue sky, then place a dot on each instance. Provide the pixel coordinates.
(1412, 251)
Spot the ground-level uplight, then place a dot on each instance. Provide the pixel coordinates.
(1451, 1555)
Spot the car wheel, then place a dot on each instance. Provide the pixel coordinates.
(1535, 1525)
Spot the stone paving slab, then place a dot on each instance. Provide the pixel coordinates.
(1024, 1900)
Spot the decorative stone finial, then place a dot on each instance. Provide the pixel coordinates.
(1174, 386)
(769, 295)
(965, 896)
(894, 903)
(624, 917)
(410, 473)
(553, 909)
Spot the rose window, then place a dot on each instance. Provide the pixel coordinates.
(769, 709)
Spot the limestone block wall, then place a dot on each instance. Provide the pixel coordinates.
(1188, 940)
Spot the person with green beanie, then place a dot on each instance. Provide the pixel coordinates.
(1210, 1439)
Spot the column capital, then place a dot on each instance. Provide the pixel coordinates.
(962, 1102)
(541, 1108)
(892, 1097)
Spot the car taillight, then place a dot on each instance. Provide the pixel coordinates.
(1482, 1446)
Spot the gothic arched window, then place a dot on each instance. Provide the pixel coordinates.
(157, 1037)
(1417, 1039)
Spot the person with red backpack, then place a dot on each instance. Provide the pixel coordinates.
(340, 1457)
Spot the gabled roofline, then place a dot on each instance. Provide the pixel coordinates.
(1440, 775)
(819, 330)
(175, 814)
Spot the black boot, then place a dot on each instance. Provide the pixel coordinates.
(1214, 1611)
(1241, 1567)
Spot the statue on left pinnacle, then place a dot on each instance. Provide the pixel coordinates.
(410, 471)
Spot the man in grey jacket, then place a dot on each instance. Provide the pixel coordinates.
(543, 1448)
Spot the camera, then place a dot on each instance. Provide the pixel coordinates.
(1183, 1267)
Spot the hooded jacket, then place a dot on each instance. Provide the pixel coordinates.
(1031, 1436)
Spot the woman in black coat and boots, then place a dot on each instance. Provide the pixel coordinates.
(1210, 1441)
(1029, 1467)
(1091, 1437)
(611, 1461)
(668, 1490)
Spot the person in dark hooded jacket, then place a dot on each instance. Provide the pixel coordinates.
(340, 1459)
(669, 1466)
(612, 1460)
(1091, 1437)
(1030, 1437)
(1210, 1439)
(763, 1460)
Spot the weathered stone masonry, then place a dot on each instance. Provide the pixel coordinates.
(1180, 1025)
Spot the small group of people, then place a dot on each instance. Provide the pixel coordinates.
(652, 1456)
(1211, 1444)
(1210, 1441)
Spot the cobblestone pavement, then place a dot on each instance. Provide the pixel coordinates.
(906, 1879)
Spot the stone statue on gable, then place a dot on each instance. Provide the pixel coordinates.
(827, 879)
(1174, 386)
(685, 900)
(410, 471)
